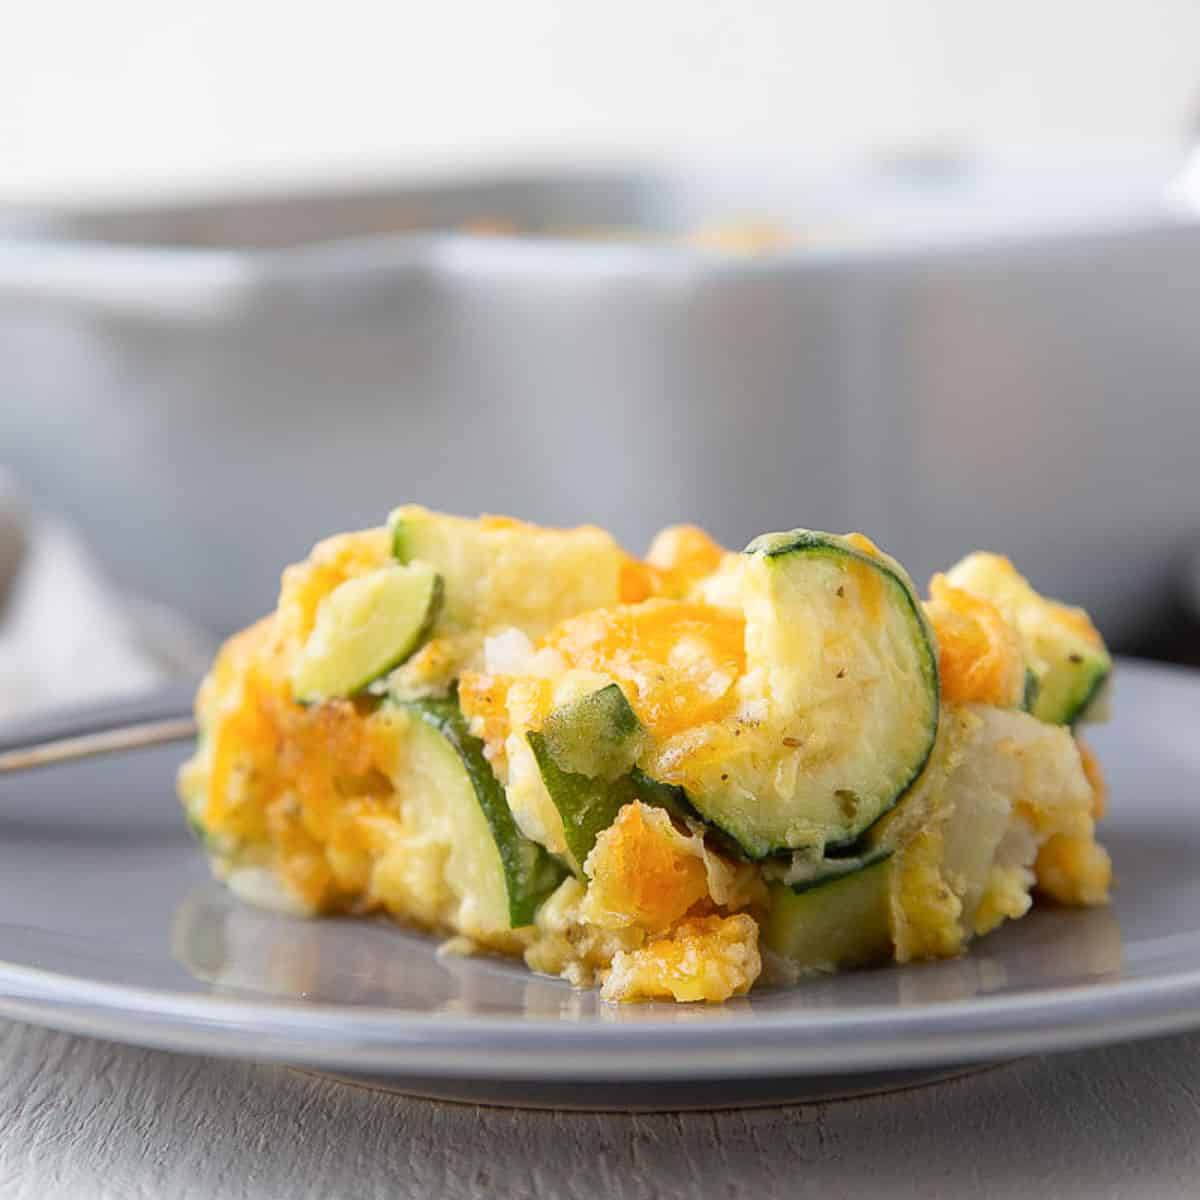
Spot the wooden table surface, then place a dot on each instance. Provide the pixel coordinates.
(94, 1120)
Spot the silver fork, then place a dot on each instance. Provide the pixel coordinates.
(134, 736)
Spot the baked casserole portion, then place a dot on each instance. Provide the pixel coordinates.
(654, 775)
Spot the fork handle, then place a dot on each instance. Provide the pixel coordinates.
(135, 736)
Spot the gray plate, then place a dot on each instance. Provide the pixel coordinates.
(111, 927)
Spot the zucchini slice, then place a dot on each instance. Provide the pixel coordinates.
(597, 735)
(505, 873)
(364, 628)
(1065, 654)
(842, 921)
(584, 754)
(500, 573)
(848, 673)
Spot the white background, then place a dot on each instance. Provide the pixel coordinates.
(131, 96)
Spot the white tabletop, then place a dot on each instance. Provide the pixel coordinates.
(89, 1119)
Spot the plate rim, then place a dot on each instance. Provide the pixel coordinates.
(871, 1037)
(876, 1037)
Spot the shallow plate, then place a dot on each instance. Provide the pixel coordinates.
(110, 926)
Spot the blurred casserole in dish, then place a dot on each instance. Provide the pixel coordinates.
(657, 775)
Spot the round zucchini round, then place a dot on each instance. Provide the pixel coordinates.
(845, 663)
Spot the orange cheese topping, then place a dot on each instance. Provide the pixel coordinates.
(676, 661)
(638, 581)
(643, 872)
(244, 739)
(682, 555)
(864, 545)
(1077, 621)
(1095, 776)
(1074, 869)
(979, 654)
(705, 958)
(284, 774)
(484, 700)
(868, 582)
(331, 563)
(304, 780)
(492, 702)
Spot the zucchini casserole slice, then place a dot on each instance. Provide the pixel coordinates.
(654, 775)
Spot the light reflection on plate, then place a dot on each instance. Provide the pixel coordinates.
(241, 950)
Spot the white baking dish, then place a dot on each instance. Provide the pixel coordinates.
(953, 354)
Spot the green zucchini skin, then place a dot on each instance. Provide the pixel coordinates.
(1078, 712)
(1032, 687)
(826, 871)
(1079, 679)
(601, 736)
(1096, 699)
(401, 549)
(668, 796)
(584, 752)
(425, 632)
(324, 676)
(843, 921)
(674, 799)
(763, 836)
(597, 735)
(588, 805)
(531, 872)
